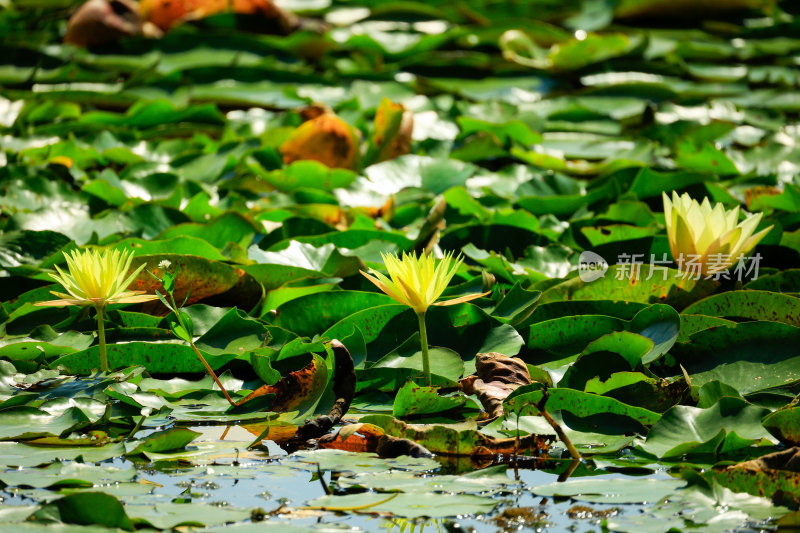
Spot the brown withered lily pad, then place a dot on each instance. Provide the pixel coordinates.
(296, 389)
(168, 13)
(462, 439)
(776, 476)
(99, 22)
(497, 376)
(200, 278)
(371, 438)
(327, 139)
(344, 388)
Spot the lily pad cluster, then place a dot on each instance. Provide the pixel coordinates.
(269, 171)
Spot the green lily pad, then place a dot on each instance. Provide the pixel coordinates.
(727, 426)
(413, 399)
(753, 305)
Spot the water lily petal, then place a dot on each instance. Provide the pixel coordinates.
(62, 302)
(711, 232)
(732, 218)
(129, 298)
(705, 207)
(695, 222)
(413, 297)
(684, 240)
(385, 286)
(750, 243)
(462, 299)
(417, 281)
(97, 278)
(126, 282)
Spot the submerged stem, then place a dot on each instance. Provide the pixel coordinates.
(423, 341)
(573, 452)
(101, 334)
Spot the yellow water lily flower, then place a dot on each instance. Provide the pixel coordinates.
(712, 238)
(418, 282)
(97, 278)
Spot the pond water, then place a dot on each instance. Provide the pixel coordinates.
(224, 483)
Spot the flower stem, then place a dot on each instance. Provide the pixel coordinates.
(197, 352)
(101, 334)
(423, 341)
(213, 374)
